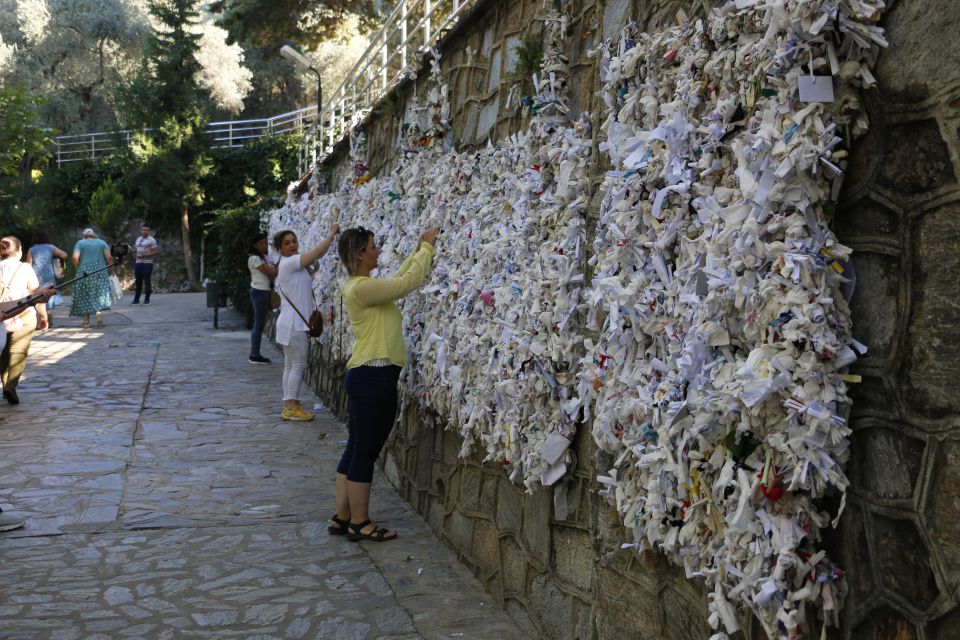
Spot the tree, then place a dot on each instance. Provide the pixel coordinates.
(73, 54)
(23, 140)
(223, 73)
(107, 210)
(166, 95)
(306, 22)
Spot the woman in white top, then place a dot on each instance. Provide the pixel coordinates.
(295, 285)
(261, 274)
(17, 279)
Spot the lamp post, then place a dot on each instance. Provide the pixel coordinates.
(304, 64)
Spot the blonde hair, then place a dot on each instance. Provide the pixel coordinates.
(352, 242)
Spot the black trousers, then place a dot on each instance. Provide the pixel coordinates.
(372, 401)
(141, 276)
(260, 298)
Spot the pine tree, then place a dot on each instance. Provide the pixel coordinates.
(166, 98)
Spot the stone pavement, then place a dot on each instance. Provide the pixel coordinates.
(164, 498)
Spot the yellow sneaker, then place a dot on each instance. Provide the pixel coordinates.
(304, 415)
(296, 414)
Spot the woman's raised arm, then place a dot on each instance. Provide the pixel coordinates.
(309, 257)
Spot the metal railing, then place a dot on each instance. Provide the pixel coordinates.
(412, 27)
(229, 133)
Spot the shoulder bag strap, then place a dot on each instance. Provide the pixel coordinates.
(6, 285)
(305, 321)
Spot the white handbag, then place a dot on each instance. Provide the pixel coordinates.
(116, 290)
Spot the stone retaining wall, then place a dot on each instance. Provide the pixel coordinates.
(552, 558)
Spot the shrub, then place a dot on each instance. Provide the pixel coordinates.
(228, 237)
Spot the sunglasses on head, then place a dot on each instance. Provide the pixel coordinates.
(363, 234)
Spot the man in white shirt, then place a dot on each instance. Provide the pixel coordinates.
(146, 248)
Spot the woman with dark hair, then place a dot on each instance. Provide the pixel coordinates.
(379, 353)
(17, 280)
(41, 256)
(92, 294)
(262, 274)
(295, 285)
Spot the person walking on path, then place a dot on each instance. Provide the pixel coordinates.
(295, 283)
(146, 248)
(91, 294)
(373, 370)
(17, 279)
(7, 521)
(41, 257)
(262, 274)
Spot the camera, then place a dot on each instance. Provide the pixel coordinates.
(118, 252)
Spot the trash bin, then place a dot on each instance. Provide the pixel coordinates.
(216, 294)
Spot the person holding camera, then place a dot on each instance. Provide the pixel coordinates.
(373, 370)
(146, 248)
(17, 279)
(91, 295)
(295, 285)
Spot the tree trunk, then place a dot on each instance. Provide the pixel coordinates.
(187, 252)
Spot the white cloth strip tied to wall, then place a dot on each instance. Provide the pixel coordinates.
(493, 335)
(715, 378)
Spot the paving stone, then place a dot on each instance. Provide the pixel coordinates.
(298, 628)
(215, 618)
(265, 613)
(340, 629)
(173, 502)
(117, 595)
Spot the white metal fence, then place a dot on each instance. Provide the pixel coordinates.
(411, 28)
(231, 133)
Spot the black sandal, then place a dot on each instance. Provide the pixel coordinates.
(342, 528)
(377, 535)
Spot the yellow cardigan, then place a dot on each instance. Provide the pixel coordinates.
(375, 319)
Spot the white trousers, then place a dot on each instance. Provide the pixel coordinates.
(295, 364)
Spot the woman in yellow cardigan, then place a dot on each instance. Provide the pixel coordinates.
(372, 371)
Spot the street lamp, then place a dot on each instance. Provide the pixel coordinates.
(304, 64)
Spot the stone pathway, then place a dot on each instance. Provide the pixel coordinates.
(164, 498)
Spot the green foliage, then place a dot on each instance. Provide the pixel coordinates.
(152, 82)
(270, 23)
(228, 237)
(166, 84)
(248, 174)
(172, 157)
(170, 161)
(72, 54)
(277, 86)
(57, 201)
(529, 52)
(243, 183)
(24, 142)
(108, 211)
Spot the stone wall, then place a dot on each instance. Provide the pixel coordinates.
(900, 212)
(553, 558)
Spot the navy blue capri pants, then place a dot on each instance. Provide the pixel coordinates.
(372, 402)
